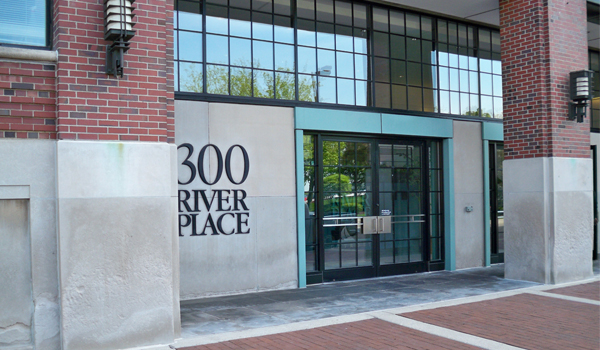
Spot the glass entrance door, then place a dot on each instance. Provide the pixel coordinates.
(372, 207)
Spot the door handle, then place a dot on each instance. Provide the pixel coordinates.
(382, 223)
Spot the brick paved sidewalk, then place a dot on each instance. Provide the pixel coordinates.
(524, 320)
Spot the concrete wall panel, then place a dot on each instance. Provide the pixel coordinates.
(116, 244)
(15, 266)
(277, 242)
(265, 258)
(27, 170)
(549, 224)
(468, 192)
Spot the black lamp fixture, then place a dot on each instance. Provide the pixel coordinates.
(118, 28)
(580, 84)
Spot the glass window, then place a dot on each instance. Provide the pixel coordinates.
(338, 52)
(23, 22)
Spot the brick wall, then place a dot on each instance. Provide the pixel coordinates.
(542, 41)
(92, 105)
(27, 100)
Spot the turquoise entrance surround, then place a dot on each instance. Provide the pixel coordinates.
(316, 119)
(489, 132)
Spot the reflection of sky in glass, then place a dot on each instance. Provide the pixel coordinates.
(454, 80)
(190, 21)
(192, 50)
(343, 42)
(473, 83)
(284, 34)
(345, 65)
(486, 83)
(326, 90)
(345, 91)
(325, 40)
(454, 103)
(216, 49)
(474, 103)
(216, 25)
(444, 75)
(326, 62)
(239, 28)
(487, 109)
(361, 93)
(444, 102)
(306, 38)
(240, 52)
(262, 31)
(307, 60)
(284, 57)
(497, 85)
(263, 55)
(485, 65)
(464, 81)
(360, 45)
(498, 107)
(360, 66)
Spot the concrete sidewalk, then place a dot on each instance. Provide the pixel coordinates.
(465, 309)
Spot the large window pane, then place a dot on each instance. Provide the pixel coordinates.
(326, 62)
(307, 88)
(217, 81)
(240, 52)
(217, 49)
(345, 65)
(190, 46)
(241, 82)
(284, 32)
(23, 22)
(345, 91)
(327, 90)
(263, 84)
(325, 37)
(189, 16)
(284, 57)
(216, 19)
(262, 26)
(239, 22)
(190, 77)
(285, 86)
(307, 60)
(262, 55)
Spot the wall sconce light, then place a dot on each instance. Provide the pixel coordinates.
(118, 28)
(580, 85)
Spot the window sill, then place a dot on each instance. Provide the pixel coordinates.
(16, 53)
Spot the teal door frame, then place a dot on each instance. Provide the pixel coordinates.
(317, 119)
(489, 132)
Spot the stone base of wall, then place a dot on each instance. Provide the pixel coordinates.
(548, 212)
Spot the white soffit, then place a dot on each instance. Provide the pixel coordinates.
(482, 11)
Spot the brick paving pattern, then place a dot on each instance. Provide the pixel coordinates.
(369, 334)
(525, 320)
(586, 291)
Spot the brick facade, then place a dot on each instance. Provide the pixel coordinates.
(27, 100)
(92, 105)
(542, 41)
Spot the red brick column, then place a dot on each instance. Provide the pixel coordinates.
(548, 185)
(92, 105)
(542, 41)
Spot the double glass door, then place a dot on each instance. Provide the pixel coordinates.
(372, 207)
